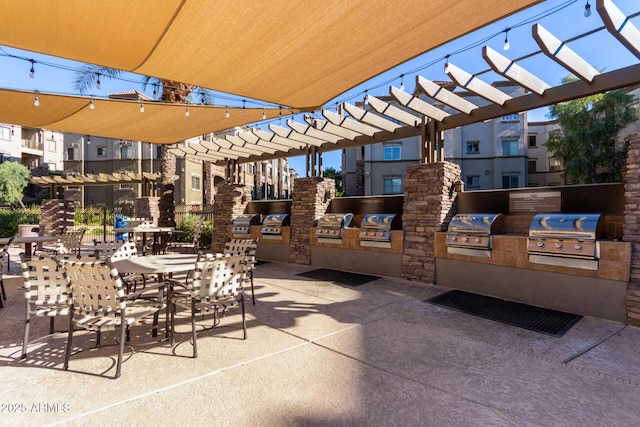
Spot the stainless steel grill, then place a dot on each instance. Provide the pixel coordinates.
(272, 226)
(330, 226)
(375, 230)
(565, 240)
(241, 225)
(470, 234)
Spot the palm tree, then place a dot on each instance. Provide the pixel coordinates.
(171, 91)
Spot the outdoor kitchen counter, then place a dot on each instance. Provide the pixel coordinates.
(351, 240)
(511, 251)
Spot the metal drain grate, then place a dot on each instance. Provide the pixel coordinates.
(543, 320)
(339, 277)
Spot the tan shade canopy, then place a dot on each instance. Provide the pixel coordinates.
(299, 54)
(159, 123)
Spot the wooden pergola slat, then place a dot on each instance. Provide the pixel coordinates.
(291, 134)
(394, 112)
(349, 123)
(252, 138)
(472, 83)
(367, 117)
(327, 126)
(239, 142)
(272, 137)
(512, 71)
(309, 129)
(562, 54)
(445, 96)
(619, 26)
(418, 105)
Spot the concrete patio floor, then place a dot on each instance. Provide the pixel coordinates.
(320, 353)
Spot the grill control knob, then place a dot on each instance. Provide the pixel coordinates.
(577, 247)
(558, 245)
(540, 244)
(454, 238)
(465, 239)
(478, 240)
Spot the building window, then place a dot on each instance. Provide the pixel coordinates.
(53, 147)
(126, 186)
(102, 151)
(158, 151)
(510, 118)
(533, 143)
(510, 147)
(473, 181)
(554, 165)
(73, 153)
(531, 166)
(473, 147)
(5, 132)
(195, 182)
(509, 181)
(126, 151)
(392, 152)
(392, 185)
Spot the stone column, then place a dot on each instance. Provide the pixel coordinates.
(429, 205)
(55, 215)
(147, 207)
(231, 201)
(631, 227)
(311, 199)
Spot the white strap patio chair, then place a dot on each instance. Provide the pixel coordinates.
(249, 247)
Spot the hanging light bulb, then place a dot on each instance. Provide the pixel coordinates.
(91, 104)
(155, 91)
(36, 101)
(32, 71)
(366, 98)
(98, 81)
(88, 140)
(587, 10)
(227, 113)
(244, 109)
(506, 40)
(446, 64)
(186, 112)
(141, 107)
(264, 114)
(402, 82)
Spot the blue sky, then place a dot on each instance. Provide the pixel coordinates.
(599, 49)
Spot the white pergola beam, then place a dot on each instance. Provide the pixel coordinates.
(239, 149)
(418, 105)
(272, 137)
(349, 123)
(213, 148)
(331, 128)
(472, 83)
(563, 55)
(445, 96)
(308, 129)
(370, 118)
(394, 112)
(239, 142)
(291, 134)
(252, 138)
(512, 71)
(619, 26)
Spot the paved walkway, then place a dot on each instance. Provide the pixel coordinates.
(319, 353)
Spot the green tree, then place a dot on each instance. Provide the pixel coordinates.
(337, 177)
(588, 146)
(13, 180)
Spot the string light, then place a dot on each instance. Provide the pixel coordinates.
(506, 39)
(36, 101)
(141, 107)
(227, 113)
(91, 104)
(587, 10)
(446, 64)
(32, 71)
(98, 81)
(366, 98)
(88, 140)
(402, 82)
(155, 91)
(244, 110)
(264, 114)
(186, 112)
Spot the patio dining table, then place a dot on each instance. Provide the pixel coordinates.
(154, 230)
(29, 241)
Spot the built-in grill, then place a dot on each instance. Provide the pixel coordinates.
(272, 226)
(565, 240)
(470, 234)
(375, 229)
(241, 225)
(330, 226)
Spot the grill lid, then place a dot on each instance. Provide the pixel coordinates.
(246, 220)
(477, 223)
(566, 226)
(335, 220)
(377, 222)
(276, 220)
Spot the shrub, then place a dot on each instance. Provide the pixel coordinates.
(188, 224)
(11, 218)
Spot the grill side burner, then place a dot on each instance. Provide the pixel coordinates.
(241, 225)
(470, 234)
(375, 230)
(565, 240)
(330, 226)
(272, 226)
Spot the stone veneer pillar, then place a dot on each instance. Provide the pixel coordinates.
(311, 198)
(231, 201)
(631, 227)
(56, 214)
(429, 205)
(147, 207)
